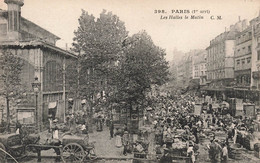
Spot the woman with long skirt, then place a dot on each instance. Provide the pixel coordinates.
(118, 138)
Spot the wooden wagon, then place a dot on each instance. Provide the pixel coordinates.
(77, 148)
(71, 148)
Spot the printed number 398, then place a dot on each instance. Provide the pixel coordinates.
(159, 11)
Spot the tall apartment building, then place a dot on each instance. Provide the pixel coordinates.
(188, 64)
(180, 74)
(199, 67)
(220, 56)
(255, 77)
(185, 69)
(243, 53)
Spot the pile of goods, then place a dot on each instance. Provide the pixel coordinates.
(179, 145)
(257, 150)
(235, 151)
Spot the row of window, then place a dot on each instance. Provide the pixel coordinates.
(243, 79)
(244, 37)
(215, 56)
(216, 65)
(202, 66)
(198, 75)
(220, 48)
(245, 50)
(217, 75)
(243, 61)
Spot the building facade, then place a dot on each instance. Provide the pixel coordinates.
(243, 53)
(180, 74)
(220, 56)
(255, 68)
(42, 59)
(199, 67)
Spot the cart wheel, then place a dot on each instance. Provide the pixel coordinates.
(18, 152)
(92, 154)
(2, 152)
(73, 152)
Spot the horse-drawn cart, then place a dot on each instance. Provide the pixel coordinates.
(11, 144)
(77, 148)
(71, 148)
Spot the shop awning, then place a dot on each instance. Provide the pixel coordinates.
(241, 89)
(52, 105)
(215, 89)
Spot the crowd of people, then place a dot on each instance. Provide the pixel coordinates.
(178, 128)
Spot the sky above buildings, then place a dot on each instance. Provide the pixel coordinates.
(61, 18)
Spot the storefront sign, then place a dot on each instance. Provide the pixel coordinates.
(239, 104)
(197, 109)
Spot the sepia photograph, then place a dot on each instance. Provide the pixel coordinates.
(130, 81)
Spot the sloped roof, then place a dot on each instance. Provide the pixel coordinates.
(231, 35)
(27, 22)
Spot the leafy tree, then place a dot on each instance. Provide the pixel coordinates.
(72, 78)
(144, 65)
(125, 68)
(99, 42)
(10, 81)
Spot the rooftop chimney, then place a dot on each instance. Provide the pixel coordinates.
(14, 17)
(239, 18)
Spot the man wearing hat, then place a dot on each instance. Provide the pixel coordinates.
(125, 142)
(111, 129)
(191, 153)
(55, 138)
(55, 132)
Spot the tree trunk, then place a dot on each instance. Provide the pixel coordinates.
(90, 127)
(7, 114)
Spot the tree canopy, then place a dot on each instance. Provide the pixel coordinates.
(99, 42)
(111, 61)
(11, 68)
(10, 79)
(144, 65)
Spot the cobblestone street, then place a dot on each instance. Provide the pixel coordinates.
(105, 147)
(107, 152)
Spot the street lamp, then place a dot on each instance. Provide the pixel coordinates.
(258, 78)
(36, 88)
(258, 72)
